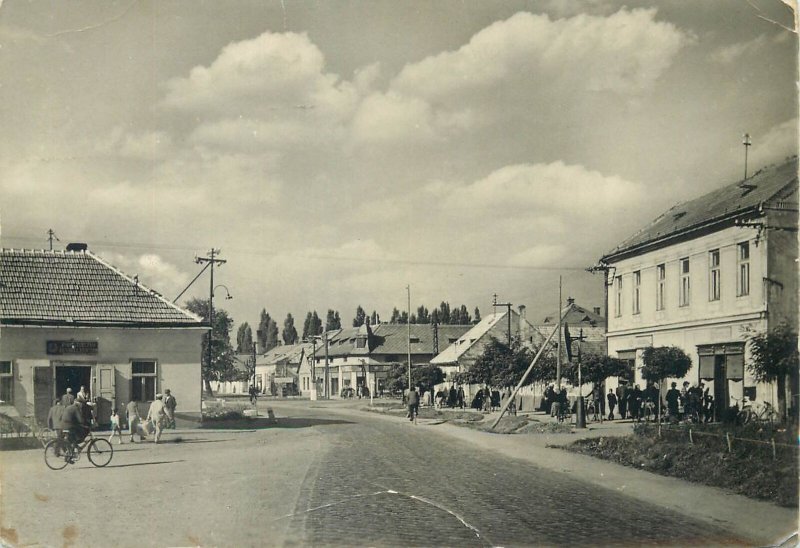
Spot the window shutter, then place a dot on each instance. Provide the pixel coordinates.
(735, 366)
(707, 367)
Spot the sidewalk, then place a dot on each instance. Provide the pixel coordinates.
(762, 523)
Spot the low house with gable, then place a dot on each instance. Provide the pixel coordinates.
(278, 370)
(69, 319)
(705, 276)
(462, 353)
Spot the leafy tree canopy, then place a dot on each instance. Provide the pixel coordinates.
(220, 368)
(661, 362)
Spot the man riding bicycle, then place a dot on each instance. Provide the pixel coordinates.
(74, 424)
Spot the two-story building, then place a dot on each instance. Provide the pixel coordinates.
(69, 319)
(705, 276)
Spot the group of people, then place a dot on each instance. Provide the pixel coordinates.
(452, 398)
(487, 399)
(75, 416)
(689, 403)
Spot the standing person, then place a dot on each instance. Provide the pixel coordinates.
(170, 403)
(597, 398)
(67, 399)
(460, 397)
(82, 393)
(132, 412)
(634, 402)
(413, 404)
(673, 398)
(115, 426)
(452, 397)
(622, 398)
(54, 417)
(612, 403)
(157, 415)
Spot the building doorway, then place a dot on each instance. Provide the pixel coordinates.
(73, 376)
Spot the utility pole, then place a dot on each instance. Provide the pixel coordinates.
(312, 360)
(408, 325)
(580, 416)
(495, 304)
(327, 389)
(51, 236)
(211, 260)
(747, 144)
(558, 357)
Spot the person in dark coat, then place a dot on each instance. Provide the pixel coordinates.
(622, 398)
(460, 397)
(477, 401)
(635, 402)
(54, 418)
(72, 420)
(673, 398)
(549, 398)
(67, 399)
(452, 397)
(612, 403)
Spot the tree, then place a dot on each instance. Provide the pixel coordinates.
(661, 362)
(337, 320)
(423, 316)
(444, 312)
(595, 368)
(361, 316)
(263, 328)
(773, 358)
(220, 368)
(316, 324)
(500, 364)
(289, 332)
(477, 315)
(244, 339)
(307, 327)
(272, 335)
(395, 316)
(427, 376)
(463, 316)
(375, 318)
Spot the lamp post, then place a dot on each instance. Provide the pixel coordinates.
(312, 362)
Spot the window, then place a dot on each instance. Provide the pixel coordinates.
(361, 342)
(683, 299)
(143, 380)
(618, 296)
(743, 279)
(661, 280)
(414, 340)
(6, 383)
(714, 275)
(637, 286)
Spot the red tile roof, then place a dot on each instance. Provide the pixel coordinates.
(40, 287)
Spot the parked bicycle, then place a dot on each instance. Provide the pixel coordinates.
(60, 452)
(755, 411)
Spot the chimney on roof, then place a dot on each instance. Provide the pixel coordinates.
(523, 323)
(596, 310)
(77, 247)
(570, 301)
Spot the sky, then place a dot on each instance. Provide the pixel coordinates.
(339, 152)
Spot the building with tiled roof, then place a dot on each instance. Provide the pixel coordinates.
(363, 356)
(705, 276)
(462, 353)
(70, 319)
(578, 322)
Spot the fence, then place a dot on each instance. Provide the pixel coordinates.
(755, 439)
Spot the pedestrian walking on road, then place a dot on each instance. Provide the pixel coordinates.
(612, 403)
(132, 412)
(54, 417)
(170, 404)
(452, 397)
(635, 402)
(157, 416)
(413, 404)
(115, 426)
(460, 397)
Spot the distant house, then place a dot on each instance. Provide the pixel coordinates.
(278, 371)
(462, 352)
(705, 276)
(69, 319)
(578, 321)
(363, 356)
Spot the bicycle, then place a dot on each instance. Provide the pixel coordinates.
(60, 452)
(755, 412)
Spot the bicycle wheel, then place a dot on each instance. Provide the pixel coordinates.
(55, 454)
(100, 452)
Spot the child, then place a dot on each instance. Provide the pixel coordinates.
(115, 427)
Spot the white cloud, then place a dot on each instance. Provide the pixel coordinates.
(623, 53)
(153, 271)
(777, 143)
(539, 255)
(727, 55)
(147, 145)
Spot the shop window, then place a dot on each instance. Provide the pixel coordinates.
(714, 275)
(143, 380)
(743, 279)
(661, 281)
(6, 382)
(685, 288)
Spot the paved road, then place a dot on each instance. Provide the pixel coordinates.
(393, 483)
(322, 477)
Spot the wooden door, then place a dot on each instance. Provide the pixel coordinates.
(43, 393)
(106, 394)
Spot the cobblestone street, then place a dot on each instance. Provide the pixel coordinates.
(324, 475)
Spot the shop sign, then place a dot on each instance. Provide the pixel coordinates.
(72, 347)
